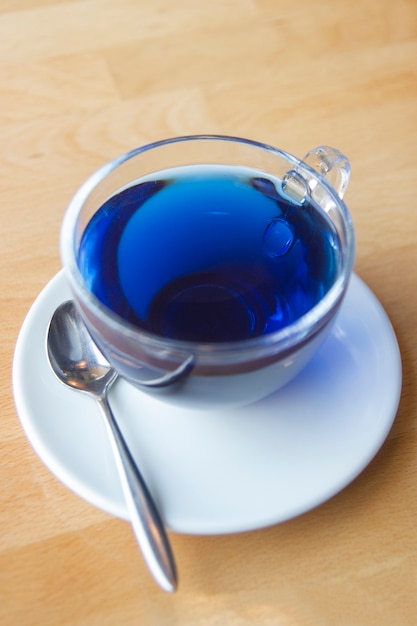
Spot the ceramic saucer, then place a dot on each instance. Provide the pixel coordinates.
(223, 471)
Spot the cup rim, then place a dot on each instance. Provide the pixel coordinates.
(281, 340)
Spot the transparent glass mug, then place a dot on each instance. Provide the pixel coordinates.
(221, 373)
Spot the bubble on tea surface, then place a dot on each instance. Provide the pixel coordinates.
(266, 187)
(278, 237)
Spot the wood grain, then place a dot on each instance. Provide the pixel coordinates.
(82, 81)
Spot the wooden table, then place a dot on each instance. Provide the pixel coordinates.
(82, 81)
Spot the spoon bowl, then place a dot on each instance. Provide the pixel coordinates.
(73, 355)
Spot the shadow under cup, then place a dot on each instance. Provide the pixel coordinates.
(294, 196)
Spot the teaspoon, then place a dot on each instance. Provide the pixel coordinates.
(77, 362)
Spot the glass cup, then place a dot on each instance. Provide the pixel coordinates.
(199, 372)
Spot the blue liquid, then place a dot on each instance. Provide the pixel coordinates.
(208, 254)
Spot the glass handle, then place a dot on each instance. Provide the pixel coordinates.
(332, 165)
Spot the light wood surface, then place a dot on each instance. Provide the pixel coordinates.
(82, 81)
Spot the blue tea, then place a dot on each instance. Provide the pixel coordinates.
(208, 254)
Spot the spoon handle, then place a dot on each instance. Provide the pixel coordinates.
(147, 524)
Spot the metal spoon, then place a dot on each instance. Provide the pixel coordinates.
(76, 361)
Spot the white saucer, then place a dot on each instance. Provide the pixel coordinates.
(227, 471)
